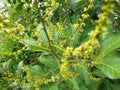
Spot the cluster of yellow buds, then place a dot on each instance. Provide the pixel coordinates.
(87, 49)
(85, 15)
(3, 22)
(76, 25)
(15, 33)
(100, 29)
(64, 69)
(15, 53)
(26, 5)
(90, 4)
(54, 3)
(20, 51)
(20, 27)
(84, 50)
(35, 81)
(94, 78)
(68, 51)
(50, 5)
(49, 11)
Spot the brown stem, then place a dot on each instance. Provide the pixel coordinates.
(44, 28)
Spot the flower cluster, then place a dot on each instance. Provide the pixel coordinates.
(85, 15)
(100, 29)
(67, 53)
(3, 22)
(64, 69)
(16, 52)
(50, 6)
(15, 34)
(86, 50)
(59, 42)
(46, 81)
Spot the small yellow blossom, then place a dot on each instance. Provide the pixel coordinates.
(49, 11)
(85, 9)
(85, 16)
(20, 27)
(26, 5)
(68, 51)
(76, 25)
(46, 3)
(64, 69)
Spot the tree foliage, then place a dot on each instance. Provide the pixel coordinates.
(60, 44)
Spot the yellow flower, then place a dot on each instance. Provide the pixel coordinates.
(5, 22)
(26, 5)
(94, 42)
(46, 3)
(49, 11)
(56, 5)
(64, 70)
(90, 6)
(85, 9)
(83, 24)
(84, 16)
(20, 27)
(76, 25)
(90, 1)
(68, 52)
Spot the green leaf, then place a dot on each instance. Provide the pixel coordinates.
(83, 88)
(57, 37)
(20, 65)
(37, 71)
(75, 83)
(31, 41)
(48, 60)
(94, 85)
(84, 75)
(108, 46)
(1, 71)
(99, 73)
(43, 37)
(40, 26)
(54, 87)
(69, 31)
(115, 86)
(110, 66)
(111, 43)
